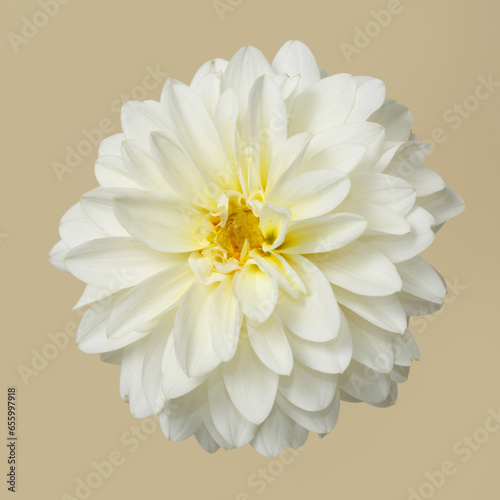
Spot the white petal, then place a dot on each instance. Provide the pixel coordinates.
(194, 128)
(322, 234)
(141, 165)
(162, 221)
(405, 349)
(443, 205)
(396, 119)
(342, 157)
(256, 292)
(175, 382)
(57, 254)
(76, 228)
(185, 178)
(242, 71)
(405, 247)
(321, 422)
(332, 356)
(268, 123)
(110, 172)
(181, 417)
(415, 306)
(98, 206)
(277, 267)
(384, 312)
(308, 389)
(116, 263)
(225, 320)
(278, 432)
(192, 332)
(325, 104)
(232, 426)
(139, 119)
(422, 280)
(423, 180)
(386, 190)
(149, 299)
(295, 58)
(361, 269)
(271, 346)
(91, 336)
(311, 194)
(206, 82)
(225, 119)
(111, 145)
(370, 95)
(205, 440)
(208, 422)
(273, 224)
(212, 66)
(371, 346)
(314, 315)
(131, 389)
(365, 383)
(152, 364)
(250, 384)
(379, 219)
(370, 135)
(288, 159)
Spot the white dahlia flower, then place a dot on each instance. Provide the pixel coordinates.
(252, 251)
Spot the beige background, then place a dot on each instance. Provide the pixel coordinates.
(67, 77)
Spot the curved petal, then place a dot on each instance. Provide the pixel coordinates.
(295, 58)
(162, 221)
(256, 292)
(271, 346)
(311, 194)
(149, 299)
(243, 69)
(278, 432)
(322, 234)
(268, 123)
(277, 267)
(131, 388)
(308, 389)
(116, 263)
(360, 269)
(314, 315)
(232, 426)
(273, 223)
(325, 104)
(192, 332)
(175, 382)
(139, 119)
(385, 312)
(332, 356)
(181, 174)
(404, 247)
(250, 384)
(225, 320)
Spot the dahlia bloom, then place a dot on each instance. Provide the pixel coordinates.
(252, 251)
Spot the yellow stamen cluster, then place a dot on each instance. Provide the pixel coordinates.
(241, 225)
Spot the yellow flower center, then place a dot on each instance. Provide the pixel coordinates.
(241, 226)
